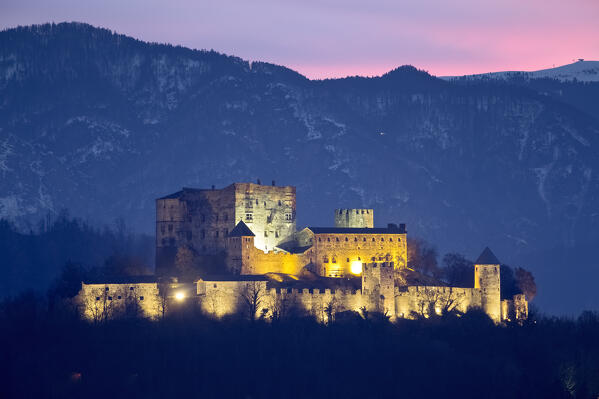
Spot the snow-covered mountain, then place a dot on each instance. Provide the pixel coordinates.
(102, 124)
(581, 71)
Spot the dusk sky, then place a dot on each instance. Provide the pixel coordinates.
(329, 38)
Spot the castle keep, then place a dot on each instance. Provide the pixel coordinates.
(244, 242)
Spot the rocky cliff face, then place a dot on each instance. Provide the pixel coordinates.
(103, 124)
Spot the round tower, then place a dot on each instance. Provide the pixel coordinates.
(358, 218)
(487, 279)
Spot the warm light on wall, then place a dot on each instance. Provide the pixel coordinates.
(179, 296)
(356, 267)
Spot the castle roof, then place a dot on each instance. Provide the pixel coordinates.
(487, 257)
(241, 230)
(392, 229)
(141, 279)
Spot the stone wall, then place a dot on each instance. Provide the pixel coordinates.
(100, 302)
(334, 253)
(354, 218)
(422, 301)
(487, 279)
(269, 211)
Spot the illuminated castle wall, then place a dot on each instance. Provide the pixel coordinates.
(253, 227)
(201, 219)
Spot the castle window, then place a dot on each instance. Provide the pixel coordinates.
(276, 234)
(106, 289)
(372, 239)
(279, 202)
(226, 217)
(265, 233)
(325, 259)
(249, 217)
(110, 298)
(355, 239)
(216, 217)
(359, 258)
(334, 260)
(373, 259)
(329, 239)
(346, 239)
(337, 239)
(391, 239)
(382, 238)
(214, 285)
(256, 202)
(319, 240)
(170, 227)
(347, 260)
(362, 211)
(118, 297)
(130, 288)
(141, 298)
(97, 298)
(163, 241)
(364, 239)
(288, 216)
(225, 232)
(216, 233)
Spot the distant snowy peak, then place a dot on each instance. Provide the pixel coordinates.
(583, 71)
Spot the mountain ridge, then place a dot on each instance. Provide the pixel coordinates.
(103, 124)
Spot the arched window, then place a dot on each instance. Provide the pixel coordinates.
(346, 239)
(329, 239)
(364, 239)
(337, 239)
(325, 259)
(372, 239)
(391, 239)
(355, 239)
(382, 238)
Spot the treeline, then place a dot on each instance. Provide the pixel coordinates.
(456, 270)
(33, 260)
(48, 352)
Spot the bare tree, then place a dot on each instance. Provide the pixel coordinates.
(252, 298)
(164, 290)
(98, 305)
(435, 301)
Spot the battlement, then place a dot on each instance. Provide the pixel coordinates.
(356, 218)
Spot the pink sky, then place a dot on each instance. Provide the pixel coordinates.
(326, 38)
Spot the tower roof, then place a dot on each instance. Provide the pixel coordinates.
(241, 230)
(487, 257)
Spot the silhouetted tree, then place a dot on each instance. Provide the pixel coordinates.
(458, 271)
(526, 283)
(422, 257)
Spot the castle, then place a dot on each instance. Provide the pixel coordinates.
(253, 260)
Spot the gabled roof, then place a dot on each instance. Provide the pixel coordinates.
(241, 230)
(487, 257)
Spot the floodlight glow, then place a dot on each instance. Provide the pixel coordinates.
(179, 296)
(356, 267)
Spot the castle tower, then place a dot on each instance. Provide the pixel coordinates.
(240, 243)
(487, 279)
(378, 287)
(358, 218)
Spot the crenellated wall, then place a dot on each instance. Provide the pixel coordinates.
(354, 218)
